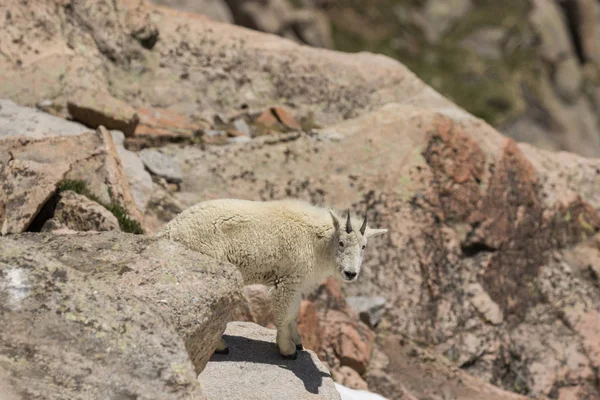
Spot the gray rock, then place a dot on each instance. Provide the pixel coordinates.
(193, 294)
(217, 10)
(242, 126)
(239, 139)
(91, 339)
(77, 212)
(214, 133)
(370, 309)
(486, 42)
(16, 120)
(161, 164)
(568, 79)
(548, 21)
(35, 167)
(254, 370)
(140, 181)
(440, 15)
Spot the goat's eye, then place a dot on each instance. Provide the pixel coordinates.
(363, 246)
(341, 244)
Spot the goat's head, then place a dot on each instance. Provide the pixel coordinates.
(350, 244)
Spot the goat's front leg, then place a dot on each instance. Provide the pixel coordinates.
(293, 314)
(286, 306)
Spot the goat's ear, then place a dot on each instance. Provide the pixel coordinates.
(374, 232)
(336, 221)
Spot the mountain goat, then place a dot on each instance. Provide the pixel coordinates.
(288, 244)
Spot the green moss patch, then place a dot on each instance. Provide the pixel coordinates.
(126, 223)
(492, 89)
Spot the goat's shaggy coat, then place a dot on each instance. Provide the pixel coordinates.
(288, 244)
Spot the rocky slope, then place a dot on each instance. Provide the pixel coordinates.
(530, 68)
(114, 315)
(492, 255)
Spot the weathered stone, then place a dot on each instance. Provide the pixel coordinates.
(91, 339)
(143, 29)
(440, 15)
(79, 213)
(140, 181)
(162, 124)
(350, 378)
(254, 370)
(487, 42)
(547, 19)
(16, 120)
(369, 308)
(351, 343)
(587, 23)
(217, 10)
(311, 26)
(239, 140)
(242, 126)
(161, 164)
(36, 166)
(484, 304)
(285, 117)
(163, 206)
(568, 79)
(278, 119)
(193, 293)
(401, 364)
(26, 187)
(95, 109)
(310, 326)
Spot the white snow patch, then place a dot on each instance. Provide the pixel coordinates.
(351, 394)
(15, 285)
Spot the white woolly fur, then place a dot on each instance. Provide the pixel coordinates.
(288, 244)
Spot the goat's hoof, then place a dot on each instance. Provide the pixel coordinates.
(223, 351)
(290, 357)
(299, 347)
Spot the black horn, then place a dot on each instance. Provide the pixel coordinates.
(364, 226)
(348, 224)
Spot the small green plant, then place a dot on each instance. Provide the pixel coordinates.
(126, 223)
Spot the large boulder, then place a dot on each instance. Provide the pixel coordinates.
(193, 294)
(254, 370)
(32, 169)
(16, 120)
(67, 335)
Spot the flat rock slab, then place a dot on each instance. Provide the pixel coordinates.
(96, 109)
(16, 120)
(253, 369)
